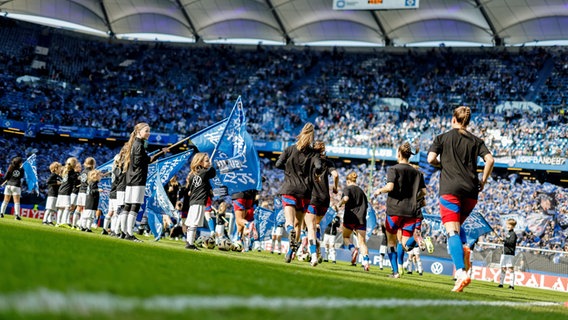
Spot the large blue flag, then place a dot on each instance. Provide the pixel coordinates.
(475, 226)
(166, 168)
(265, 220)
(207, 139)
(234, 157)
(30, 172)
(157, 201)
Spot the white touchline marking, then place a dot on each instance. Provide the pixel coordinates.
(46, 301)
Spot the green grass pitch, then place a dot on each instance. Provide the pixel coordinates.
(53, 273)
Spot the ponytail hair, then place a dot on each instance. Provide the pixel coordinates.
(70, 165)
(306, 137)
(405, 150)
(319, 147)
(137, 128)
(463, 116)
(120, 158)
(16, 163)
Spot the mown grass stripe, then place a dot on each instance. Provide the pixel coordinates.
(44, 301)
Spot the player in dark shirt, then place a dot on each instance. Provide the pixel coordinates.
(460, 185)
(296, 190)
(88, 165)
(405, 185)
(355, 219)
(320, 199)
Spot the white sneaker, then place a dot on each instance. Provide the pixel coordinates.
(314, 261)
(462, 281)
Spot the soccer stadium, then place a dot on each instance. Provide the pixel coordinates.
(248, 159)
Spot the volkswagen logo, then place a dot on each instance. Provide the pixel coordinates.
(437, 268)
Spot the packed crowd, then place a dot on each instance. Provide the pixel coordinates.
(183, 89)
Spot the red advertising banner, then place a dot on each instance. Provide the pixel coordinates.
(525, 279)
(31, 213)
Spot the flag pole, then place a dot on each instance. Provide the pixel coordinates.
(167, 149)
(225, 129)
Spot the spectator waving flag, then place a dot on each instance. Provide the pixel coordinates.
(475, 226)
(30, 172)
(234, 157)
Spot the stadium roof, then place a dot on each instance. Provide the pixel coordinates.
(301, 22)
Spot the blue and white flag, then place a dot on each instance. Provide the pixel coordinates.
(435, 223)
(105, 185)
(265, 220)
(234, 157)
(157, 204)
(156, 198)
(160, 172)
(167, 167)
(280, 218)
(207, 139)
(371, 222)
(30, 172)
(106, 167)
(475, 226)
